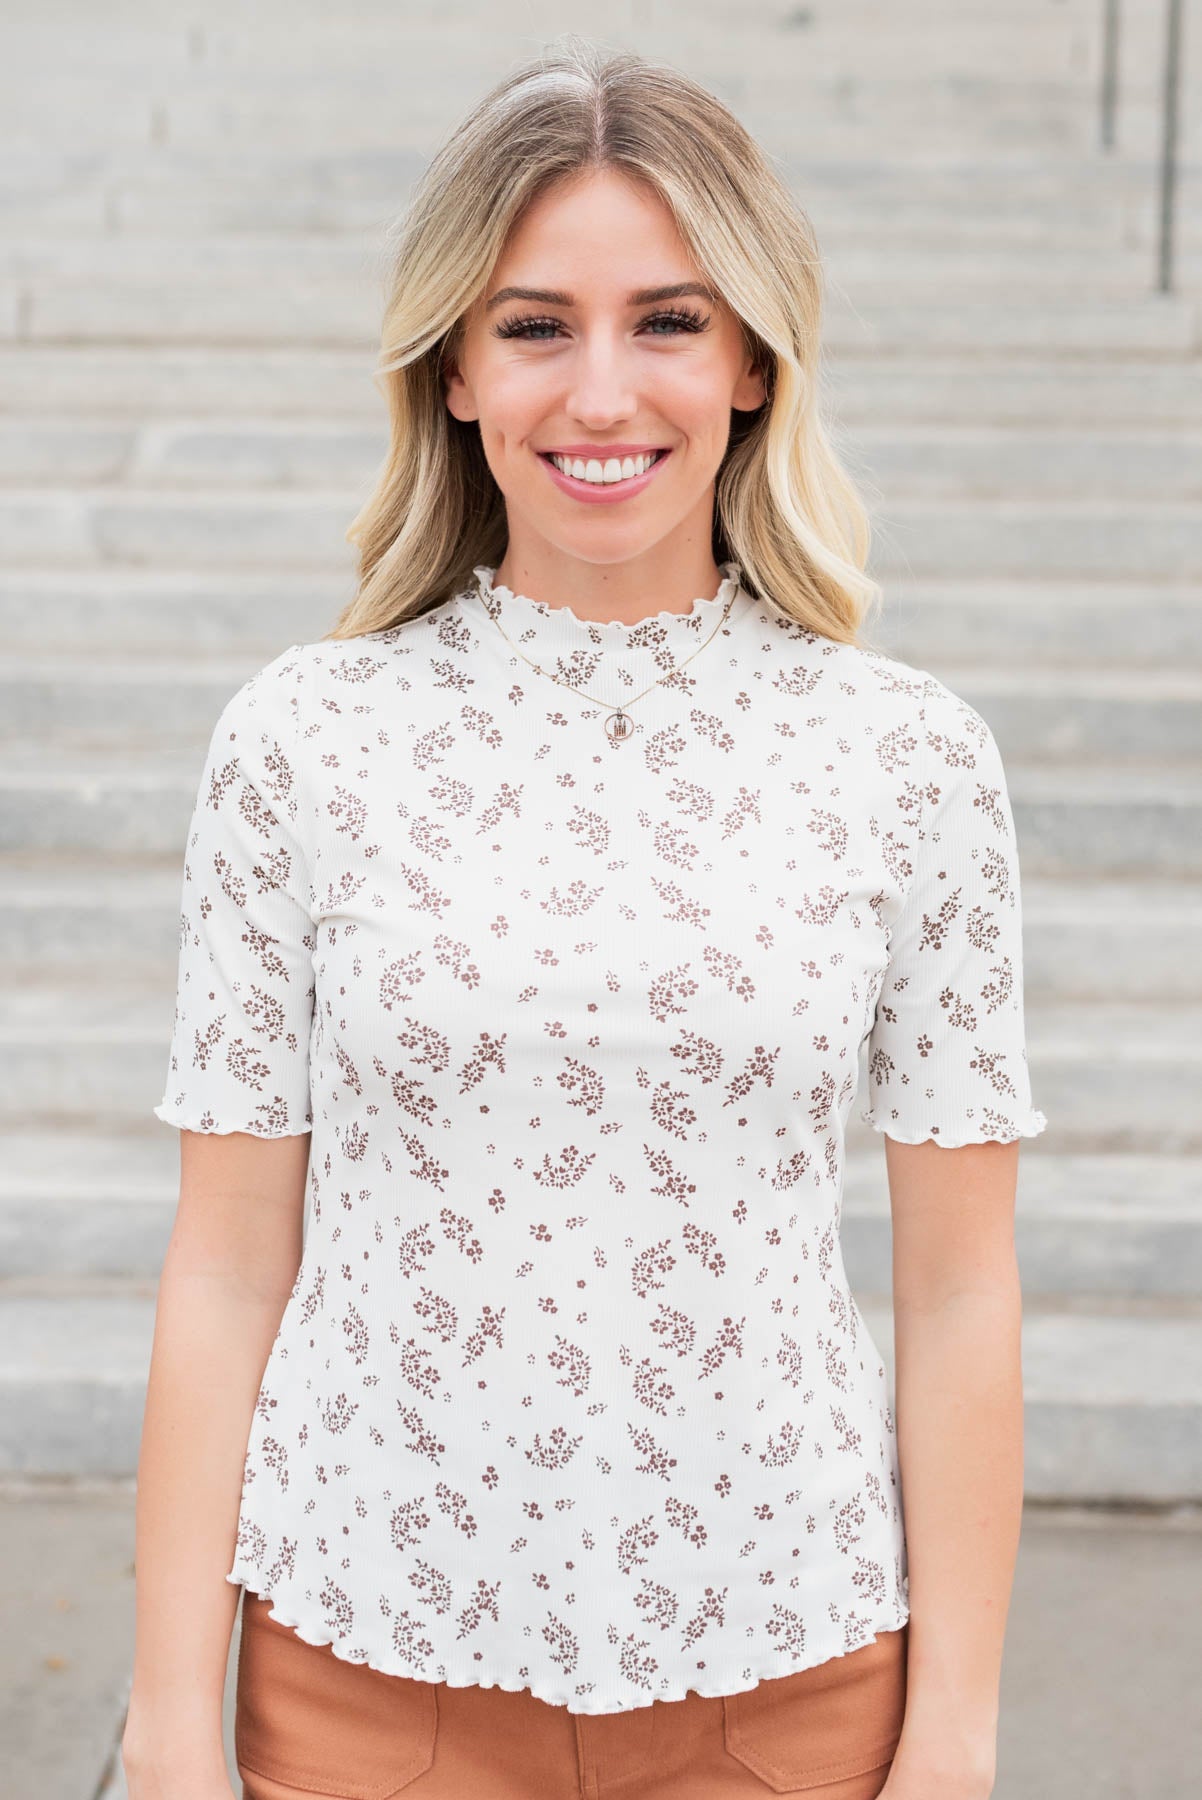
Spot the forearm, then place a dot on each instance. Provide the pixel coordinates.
(211, 1341)
(960, 1447)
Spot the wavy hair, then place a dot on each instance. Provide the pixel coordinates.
(785, 508)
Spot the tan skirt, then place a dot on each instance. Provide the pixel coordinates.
(309, 1723)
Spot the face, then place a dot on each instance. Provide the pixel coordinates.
(590, 370)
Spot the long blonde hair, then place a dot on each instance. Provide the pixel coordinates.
(785, 507)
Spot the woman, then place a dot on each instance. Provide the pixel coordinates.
(533, 922)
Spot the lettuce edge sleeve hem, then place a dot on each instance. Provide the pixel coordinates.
(892, 1617)
(1031, 1126)
(173, 1115)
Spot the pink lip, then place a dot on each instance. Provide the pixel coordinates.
(597, 493)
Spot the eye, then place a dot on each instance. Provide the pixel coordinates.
(684, 319)
(523, 328)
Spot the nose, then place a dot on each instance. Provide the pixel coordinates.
(601, 390)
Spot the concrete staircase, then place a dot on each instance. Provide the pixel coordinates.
(190, 277)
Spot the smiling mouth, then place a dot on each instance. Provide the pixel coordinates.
(597, 471)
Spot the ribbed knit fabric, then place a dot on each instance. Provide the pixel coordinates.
(571, 1393)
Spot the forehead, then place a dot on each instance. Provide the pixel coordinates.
(617, 233)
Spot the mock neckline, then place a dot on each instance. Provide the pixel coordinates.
(536, 625)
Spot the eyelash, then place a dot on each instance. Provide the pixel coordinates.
(686, 318)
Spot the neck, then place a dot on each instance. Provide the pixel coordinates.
(619, 594)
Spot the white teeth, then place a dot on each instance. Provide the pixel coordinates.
(612, 469)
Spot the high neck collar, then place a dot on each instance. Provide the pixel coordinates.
(543, 630)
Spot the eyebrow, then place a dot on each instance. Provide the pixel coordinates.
(641, 297)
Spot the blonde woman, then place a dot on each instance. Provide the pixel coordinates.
(533, 923)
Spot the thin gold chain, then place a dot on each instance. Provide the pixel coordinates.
(619, 714)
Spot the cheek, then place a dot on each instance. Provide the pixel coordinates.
(695, 396)
(512, 402)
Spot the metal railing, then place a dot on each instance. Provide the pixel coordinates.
(1169, 114)
(1168, 142)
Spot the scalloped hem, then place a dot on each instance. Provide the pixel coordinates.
(472, 1676)
(1032, 1125)
(185, 1121)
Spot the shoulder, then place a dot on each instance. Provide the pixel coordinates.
(946, 742)
(267, 696)
(282, 690)
(310, 683)
(944, 718)
(330, 665)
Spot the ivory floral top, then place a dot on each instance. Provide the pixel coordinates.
(571, 1393)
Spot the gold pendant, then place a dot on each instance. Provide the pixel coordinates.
(619, 726)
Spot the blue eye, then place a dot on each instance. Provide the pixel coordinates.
(513, 328)
(683, 319)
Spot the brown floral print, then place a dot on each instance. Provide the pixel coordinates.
(571, 1393)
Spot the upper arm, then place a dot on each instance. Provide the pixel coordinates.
(953, 1219)
(241, 1208)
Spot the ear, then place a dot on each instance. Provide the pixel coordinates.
(461, 402)
(751, 389)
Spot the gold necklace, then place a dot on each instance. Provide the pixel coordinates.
(619, 725)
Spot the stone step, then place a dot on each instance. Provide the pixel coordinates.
(1048, 271)
(367, 191)
(1113, 1398)
(1112, 1075)
(90, 523)
(278, 529)
(1116, 538)
(842, 111)
(193, 382)
(243, 614)
(1066, 625)
(966, 620)
(1146, 324)
(102, 1204)
(543, 16)
(832, 104)
(851, 263)
(1073, 820)
(1096, 940)
(1134, 941)
(1161, 462)
(68, 913)
(328, 311)
(86, 1203)
(1106, 822)
(853, 173)
(1105, 393)
(197, 380)
(437, 52)
(349, 256)
(254, 175)
(1058, 462)
(51, 449)
(158, 704)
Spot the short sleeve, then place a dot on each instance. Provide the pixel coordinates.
(947, 1057)
(239, 1056)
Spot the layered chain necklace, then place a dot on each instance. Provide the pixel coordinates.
(618, 724)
